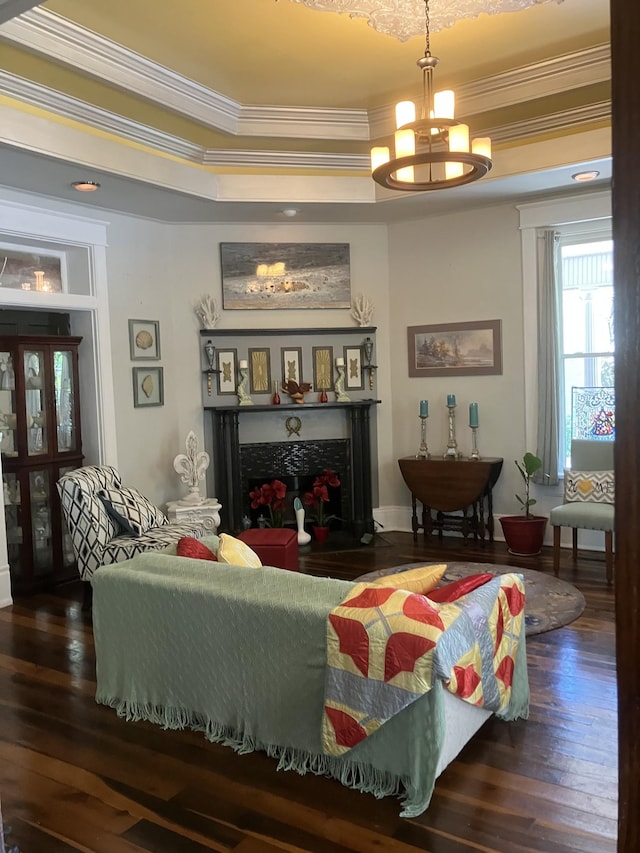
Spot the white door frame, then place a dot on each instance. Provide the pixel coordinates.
(89, 312)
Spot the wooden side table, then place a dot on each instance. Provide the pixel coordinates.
(445, 486)
(208, 513)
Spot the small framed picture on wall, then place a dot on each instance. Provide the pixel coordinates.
(291, 364)
(353, 376)
(148, 386)
(144, 340)
(228, 367)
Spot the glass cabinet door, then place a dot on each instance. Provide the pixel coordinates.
(8, 421)
(35, 405)
(13, 520)
(40, 521)
(64, 397)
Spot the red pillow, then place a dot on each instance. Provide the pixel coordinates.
(190, 547)
(456, 589)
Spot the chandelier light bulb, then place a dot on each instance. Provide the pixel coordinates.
(405, 113)
(379, 156)
(482, 145)
(444, 104)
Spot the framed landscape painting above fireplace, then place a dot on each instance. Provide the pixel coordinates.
(285, 275)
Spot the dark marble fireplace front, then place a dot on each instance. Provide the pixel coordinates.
(239, 467)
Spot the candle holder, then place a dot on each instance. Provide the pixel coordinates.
(475, 453)
(210, 353)
(423, 450)
(243, 395)
(452, 446)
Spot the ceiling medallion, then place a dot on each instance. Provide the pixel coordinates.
(403, 18)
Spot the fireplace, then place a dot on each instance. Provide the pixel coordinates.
(240, 467)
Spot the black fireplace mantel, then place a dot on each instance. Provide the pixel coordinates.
(292, 407)
(228, 474)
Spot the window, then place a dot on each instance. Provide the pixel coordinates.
(585, 316)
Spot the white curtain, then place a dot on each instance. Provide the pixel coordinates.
(548, 356)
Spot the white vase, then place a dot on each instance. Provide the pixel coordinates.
(303, 537)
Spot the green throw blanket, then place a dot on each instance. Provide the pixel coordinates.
(240, 654)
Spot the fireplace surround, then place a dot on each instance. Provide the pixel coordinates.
(246, 441)
(236, 465)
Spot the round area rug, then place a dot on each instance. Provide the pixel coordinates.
(550, 602)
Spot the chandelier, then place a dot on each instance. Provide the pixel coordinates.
(432, 152)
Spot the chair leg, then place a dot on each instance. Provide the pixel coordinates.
(574, 531)
(608, 549)
(556, 549)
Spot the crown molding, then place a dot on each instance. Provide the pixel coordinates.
(530, 82)
(96, 118)
(553, 123)
(53, 36)
(71, 108)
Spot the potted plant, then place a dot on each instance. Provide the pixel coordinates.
(316, 499)
(272, 496)
(524, 534)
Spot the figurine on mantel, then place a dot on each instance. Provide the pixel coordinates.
(341, 394)
(296, 390)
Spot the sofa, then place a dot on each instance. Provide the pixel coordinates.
(240, 654)
(101, 537)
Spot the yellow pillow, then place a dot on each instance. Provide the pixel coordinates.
(422, 579)
(237, 553)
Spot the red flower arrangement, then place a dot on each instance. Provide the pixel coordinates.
(272, 496)
(319, 495)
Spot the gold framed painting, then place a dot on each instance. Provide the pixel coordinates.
(322, 368)
(260, 370)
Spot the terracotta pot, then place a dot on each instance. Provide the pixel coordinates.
(524, 536)
(320, 533)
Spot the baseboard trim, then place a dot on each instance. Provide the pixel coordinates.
(5, 587)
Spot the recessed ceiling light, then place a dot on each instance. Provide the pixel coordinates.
(290, 211)
(580, 177)
(86, 186)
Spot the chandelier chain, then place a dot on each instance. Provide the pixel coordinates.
(427, 46)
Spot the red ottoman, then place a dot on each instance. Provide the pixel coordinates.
(276, 546)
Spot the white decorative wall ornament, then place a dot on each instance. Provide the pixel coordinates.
(404, 19)
(362, 310)
(192, 467)
(207, 311)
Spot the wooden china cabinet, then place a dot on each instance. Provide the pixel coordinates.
(40, 441)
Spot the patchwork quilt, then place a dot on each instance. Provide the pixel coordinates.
(387, 647)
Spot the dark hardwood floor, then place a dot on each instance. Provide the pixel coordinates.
(74, 776)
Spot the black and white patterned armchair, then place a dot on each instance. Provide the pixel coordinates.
(109, 523)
